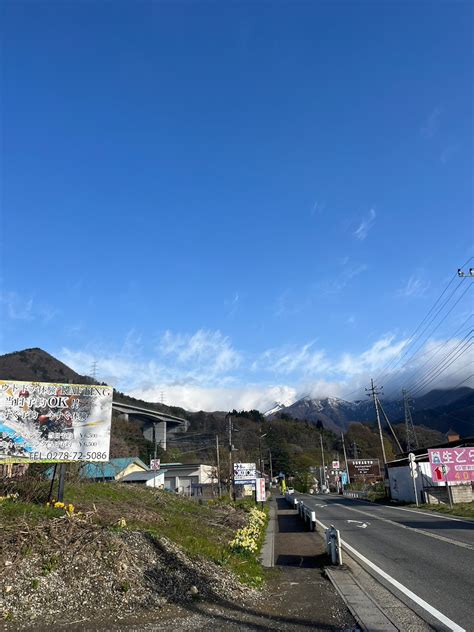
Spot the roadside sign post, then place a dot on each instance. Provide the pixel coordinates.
(155, 466)
(445, 473)
(413, 474)
(260, 491)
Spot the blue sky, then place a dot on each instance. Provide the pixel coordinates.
(233, 203)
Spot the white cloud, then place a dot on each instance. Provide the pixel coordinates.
(17, 307)
(203, 370)
(209, 351)
(194, 397)
(365, 225)
(415, 287)
(430, 127)
(288, 360)
(341, 278)
(381, 352)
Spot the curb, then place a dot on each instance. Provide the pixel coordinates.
(267, 554)
(366, 612)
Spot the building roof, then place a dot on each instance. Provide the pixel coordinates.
(421, 454)
(142, 476)
(184, 465)
(111, 468)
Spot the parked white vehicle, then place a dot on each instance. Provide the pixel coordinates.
(290, 490)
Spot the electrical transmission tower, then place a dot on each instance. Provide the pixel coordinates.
(412, 439)
(94, 370)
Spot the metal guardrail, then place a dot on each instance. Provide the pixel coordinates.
(333, 538)
(333, 545)
(355, 494)
(305, 512)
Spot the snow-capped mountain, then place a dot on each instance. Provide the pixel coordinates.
(435, 409)
(277, 407)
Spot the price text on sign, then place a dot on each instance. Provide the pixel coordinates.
(455, 465)
(40, 421)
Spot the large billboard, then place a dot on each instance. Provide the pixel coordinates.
(364, 470)
(40, 421)
(454, 465)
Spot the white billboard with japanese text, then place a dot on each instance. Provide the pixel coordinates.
(40, 421)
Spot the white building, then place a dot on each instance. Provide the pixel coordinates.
(150, 478)
(182, 477)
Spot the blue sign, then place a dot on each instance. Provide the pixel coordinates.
(344, 478)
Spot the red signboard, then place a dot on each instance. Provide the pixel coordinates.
(455, 465)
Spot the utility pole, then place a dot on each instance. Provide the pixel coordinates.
(355, 452)
(372, 392)
(322, 458)
(231, 468)
(345, 459)
(271, 466)
(218, 467)
(411, 438)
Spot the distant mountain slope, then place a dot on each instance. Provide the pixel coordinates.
(36, 365)
(439, 409)
(32, 365)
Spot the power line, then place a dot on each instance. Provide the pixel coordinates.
(412, 337)
(390, 379)
(423, 386)
(433, 404)
(434, 368)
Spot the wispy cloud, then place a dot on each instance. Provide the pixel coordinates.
(448, 152)
(205, 350)
(341, 278)
(232, 304)
(415, 287)
(17, 307)
(317, 208)
(430, 126)
(365, 225)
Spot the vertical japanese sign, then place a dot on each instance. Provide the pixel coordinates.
(455, 465)
(40, 421)
(261, 495)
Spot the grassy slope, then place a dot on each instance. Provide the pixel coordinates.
(465, 510)
(200, 529)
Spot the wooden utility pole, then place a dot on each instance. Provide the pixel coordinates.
(218, 467)
(231, 468)
(372, 392)
(322, 458)
(345, 459)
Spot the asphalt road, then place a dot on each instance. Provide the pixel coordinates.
(431, 556)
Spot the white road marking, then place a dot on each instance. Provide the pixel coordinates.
(432, 514)
(435, 536)
(406, 591)
(360, 524)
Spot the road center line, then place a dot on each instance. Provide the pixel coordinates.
(406, 591)
(436, 536)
